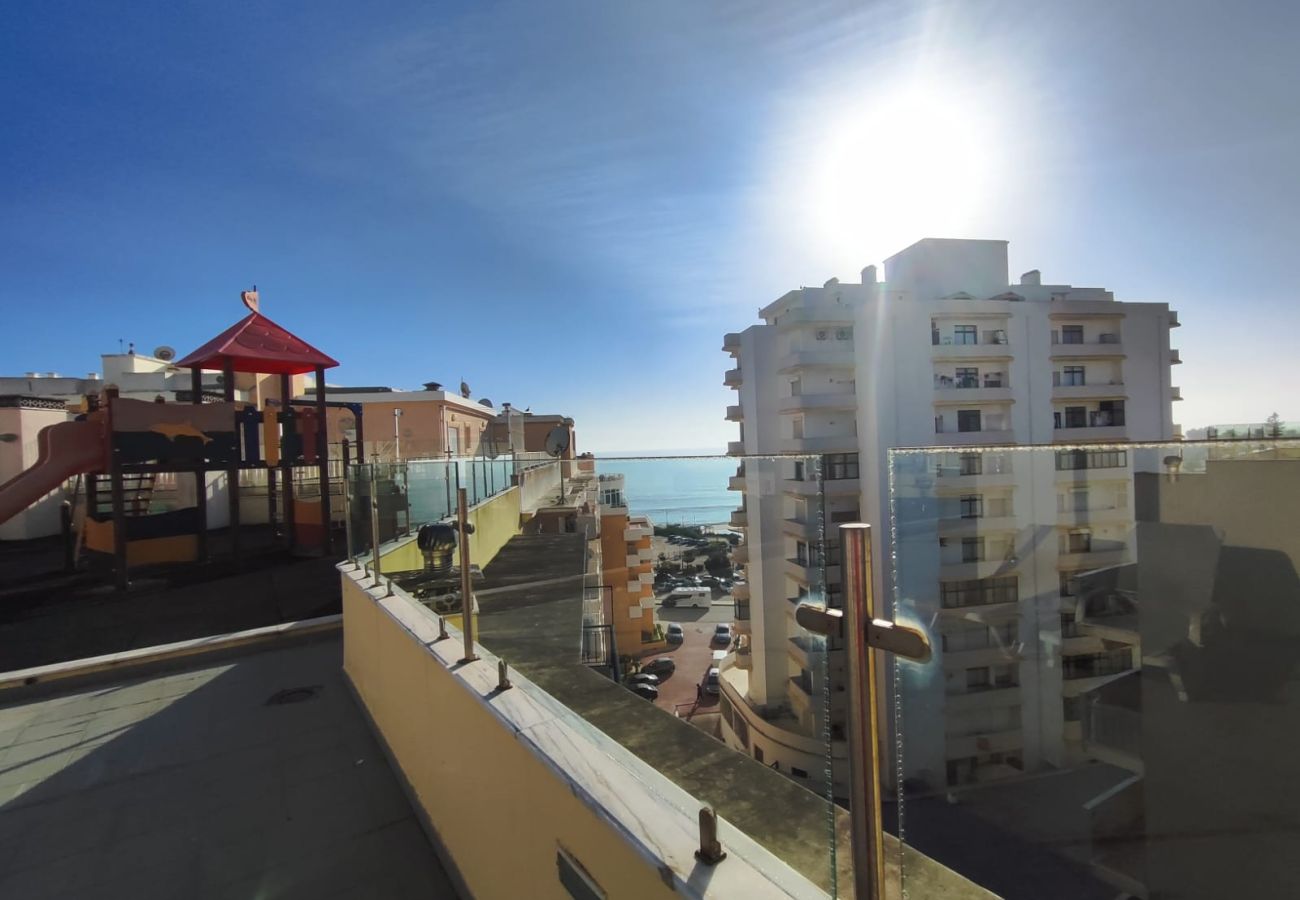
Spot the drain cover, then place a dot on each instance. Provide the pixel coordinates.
(294, 695)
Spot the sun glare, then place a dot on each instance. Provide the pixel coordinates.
(914, 163)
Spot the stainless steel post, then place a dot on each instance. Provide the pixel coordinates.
(466, 580)
(374, 517)
(868, 830)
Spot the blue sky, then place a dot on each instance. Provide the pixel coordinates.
(567, 204)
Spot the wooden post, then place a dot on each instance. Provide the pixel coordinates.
(200, 474)
(286, 466)
(322, 457)
(232, 471)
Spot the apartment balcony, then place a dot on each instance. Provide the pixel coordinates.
(1084, 561)
(952, 480)
(735, 448)
(1091, 433)
(1175, 393)
(965, 569)
(731, 378)
(1174, 358)
(837, 487)
(956, 438)
(957, 526)
(1105, 349)
(799, 693)
(638, 531)
(807, 572)
(740, 593)
(1096, 515)
(1114, 735)
(984, 698)
(824, 316)
(832, 443)
(736, 483)
(961, 747)
(640, 558)
(740, 555)
(731, 342)
(739, 518)
(734, 413)
(806, 651)
(952, 394)
(1110, 391)
(815, 359)
(1178, 432)
(987, 349)
(1173, 319)
(806, 529)
(818, 402)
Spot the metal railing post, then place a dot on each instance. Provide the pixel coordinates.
(868, 831)
(466, 578)
(374, 517)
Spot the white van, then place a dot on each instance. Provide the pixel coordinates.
(690, 597)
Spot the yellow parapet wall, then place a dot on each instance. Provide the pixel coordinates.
(495, 522)
(500, 811)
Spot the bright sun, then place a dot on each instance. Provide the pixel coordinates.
(915, 163)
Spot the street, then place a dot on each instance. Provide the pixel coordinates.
(693, 657)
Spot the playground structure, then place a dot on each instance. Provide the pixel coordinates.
(122, 444)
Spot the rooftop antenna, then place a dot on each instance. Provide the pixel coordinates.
(464, 388)
(557, 441)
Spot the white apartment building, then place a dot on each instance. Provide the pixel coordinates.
(945, 352)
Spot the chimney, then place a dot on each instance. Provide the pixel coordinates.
(1033, 276)
(869, 275)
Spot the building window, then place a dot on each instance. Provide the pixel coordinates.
(1071, 334)
(798, 470)
(972, 506)
(801, 553)
(971, 464)
(798, 772)
(968, 377)
(796, 427)
(979, 591)
(758, 753)
(993, 380)
(840, 466)
(1073, 376)
(843, 334)
(968, 420)
(965, 334)
(1109, 412)
(1097, 665)
(1072, 708)
(1067, 584)
(977, 679)
(1069, 625)
(1078, 542)
(1007, 675)
(972, 549)
(1069, 460)
(1076, 416)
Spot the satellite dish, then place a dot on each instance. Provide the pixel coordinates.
(165, 353)
(557, 441)
(485, 402)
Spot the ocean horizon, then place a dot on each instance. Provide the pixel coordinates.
(674, 491)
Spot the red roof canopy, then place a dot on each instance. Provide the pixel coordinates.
(256, 344)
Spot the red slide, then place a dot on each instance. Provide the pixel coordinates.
(66, 449)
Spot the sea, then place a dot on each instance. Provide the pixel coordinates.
(678, 491)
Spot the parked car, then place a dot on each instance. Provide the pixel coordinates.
(663, 666)
(644, 691)
(674, 634)
(643, 677)
(710, 684)
(722, 634)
